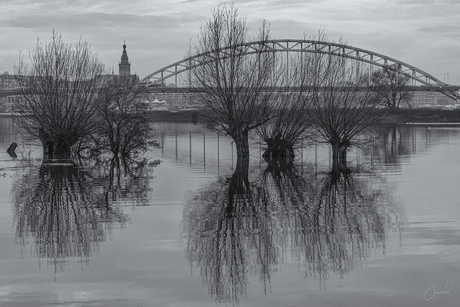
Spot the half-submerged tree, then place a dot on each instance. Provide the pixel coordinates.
(124, 130)
(59, 90)
(391, 87)
(290, 126)
(235, 76)
(343, 107)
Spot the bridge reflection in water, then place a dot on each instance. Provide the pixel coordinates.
(194, 145)
(203, 149)
(247, 223)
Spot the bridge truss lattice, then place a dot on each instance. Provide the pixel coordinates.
(374, 59)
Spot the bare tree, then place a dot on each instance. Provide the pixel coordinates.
(59, 94)
(342, 107)
(235, 76)
(290, 126)
(124, 130)
(390, 87)
(284, 132)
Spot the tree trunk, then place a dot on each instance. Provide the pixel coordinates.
(339, 156)
(278, 149)
(238, 188)
(335, 155)
(55, 149)
(342, 152)
(241, 138)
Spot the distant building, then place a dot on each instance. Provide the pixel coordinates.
(430, 99)
(7, 82)
(124, 67)
(124, 71)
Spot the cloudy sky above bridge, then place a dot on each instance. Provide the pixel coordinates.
(423, 33)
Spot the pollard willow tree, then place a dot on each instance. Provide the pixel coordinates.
(290, 126)
(236, 77)
(59, 93)
(343, 107)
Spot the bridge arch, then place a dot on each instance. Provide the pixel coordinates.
(312, 46)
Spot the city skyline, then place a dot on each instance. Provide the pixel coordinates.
(421, 33)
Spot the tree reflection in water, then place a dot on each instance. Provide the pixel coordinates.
(328, 222)
(66, 209)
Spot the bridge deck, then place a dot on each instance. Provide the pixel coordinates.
(421, 88)
(6, 93)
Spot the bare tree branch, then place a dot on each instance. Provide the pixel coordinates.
(390, 87)
(58, 94)
(235, 99)
(342, 106)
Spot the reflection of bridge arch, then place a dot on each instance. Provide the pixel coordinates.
(418, 76)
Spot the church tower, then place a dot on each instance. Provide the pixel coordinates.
(124, 67)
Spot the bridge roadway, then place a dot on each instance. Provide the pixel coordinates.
(6, 93)
(422, 88)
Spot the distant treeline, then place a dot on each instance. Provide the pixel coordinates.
(420, 115)
(423, 115)
(179, 116)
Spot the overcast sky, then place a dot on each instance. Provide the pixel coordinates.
(423, 33)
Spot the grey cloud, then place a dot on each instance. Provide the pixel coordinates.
(97, 20)
(415, 2)
(441, 29)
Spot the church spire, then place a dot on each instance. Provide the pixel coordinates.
(124, 67)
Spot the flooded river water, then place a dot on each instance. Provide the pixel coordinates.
(388, 234)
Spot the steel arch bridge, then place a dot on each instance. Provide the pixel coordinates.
(374, 59)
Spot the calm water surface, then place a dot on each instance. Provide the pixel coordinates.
(386, 235)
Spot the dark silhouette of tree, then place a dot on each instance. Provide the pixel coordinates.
(66, 209)
(343, 108)
(60, 210)
(391, 87)
(59, 92)
(124, 130)
(124, 182)
(227, 228)
(290, 126)
(236, 77)
(236, 228)
(347, 221)
(330, 221)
